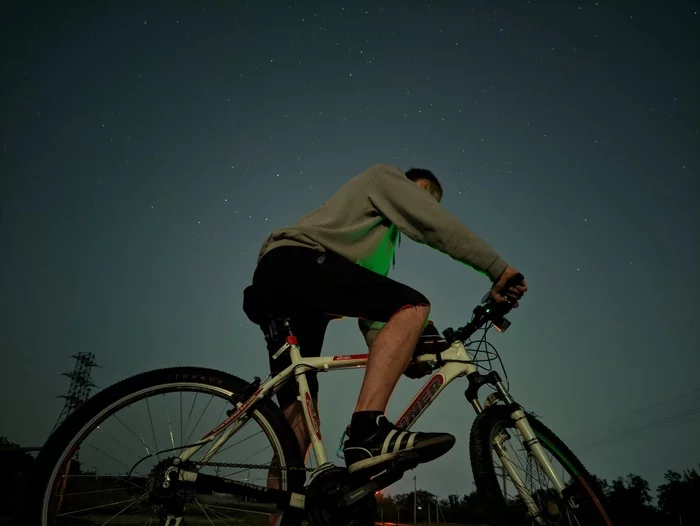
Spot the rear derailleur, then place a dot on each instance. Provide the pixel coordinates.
(165, 496)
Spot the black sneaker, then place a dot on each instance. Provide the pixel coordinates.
(390, 443)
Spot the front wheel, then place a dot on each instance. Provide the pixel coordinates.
(105, 464)
(583, 502)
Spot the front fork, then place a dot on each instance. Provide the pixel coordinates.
(530, 440)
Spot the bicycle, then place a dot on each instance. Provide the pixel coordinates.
(180, 484)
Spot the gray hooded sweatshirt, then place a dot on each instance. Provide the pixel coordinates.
(363, 220)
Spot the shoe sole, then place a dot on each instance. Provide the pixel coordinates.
(426, 451)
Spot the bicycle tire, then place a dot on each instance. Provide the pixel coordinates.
(76, 424)
(486, 478)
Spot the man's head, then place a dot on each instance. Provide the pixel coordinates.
(427, 181)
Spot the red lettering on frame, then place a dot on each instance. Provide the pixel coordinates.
(314, 416)
(344, 357)
(421, 401)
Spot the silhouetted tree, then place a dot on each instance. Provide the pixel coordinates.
(629, 500)
(14, 462)
(405, 500)
(679, 497)
(16, 466)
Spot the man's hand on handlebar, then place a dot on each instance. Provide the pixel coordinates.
(512, 294)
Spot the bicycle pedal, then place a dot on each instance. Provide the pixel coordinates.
(390, 474)
(356, 494)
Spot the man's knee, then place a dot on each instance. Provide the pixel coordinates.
(420, 312)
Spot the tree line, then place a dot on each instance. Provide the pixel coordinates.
(629, 501)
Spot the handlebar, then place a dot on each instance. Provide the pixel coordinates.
(488, 310)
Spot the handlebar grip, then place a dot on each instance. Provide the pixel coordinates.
(514, 280)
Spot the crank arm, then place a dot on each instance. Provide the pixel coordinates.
(281, 499)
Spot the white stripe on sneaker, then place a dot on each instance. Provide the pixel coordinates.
(397, 445)
(385, 445)
(411, 440)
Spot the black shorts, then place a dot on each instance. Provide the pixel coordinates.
(311, 288)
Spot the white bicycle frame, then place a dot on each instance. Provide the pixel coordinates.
(458, 362)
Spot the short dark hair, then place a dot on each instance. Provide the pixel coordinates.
(420, 173)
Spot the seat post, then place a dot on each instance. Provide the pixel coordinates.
(287, 325)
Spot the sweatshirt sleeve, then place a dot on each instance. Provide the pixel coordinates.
(419, 216)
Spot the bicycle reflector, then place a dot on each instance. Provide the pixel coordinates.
(501, 323)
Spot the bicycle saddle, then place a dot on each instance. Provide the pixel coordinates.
(257, 308)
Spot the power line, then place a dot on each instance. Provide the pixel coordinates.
(645, 427)
(590, 429)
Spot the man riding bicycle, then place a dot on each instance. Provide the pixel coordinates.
(334, 263)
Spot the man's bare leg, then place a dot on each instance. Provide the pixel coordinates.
(373, 440)
(389, 355)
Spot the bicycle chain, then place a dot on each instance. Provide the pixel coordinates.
(253, 466)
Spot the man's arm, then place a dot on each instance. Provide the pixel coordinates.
(419, 216)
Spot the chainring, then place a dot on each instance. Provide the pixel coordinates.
(325, 491)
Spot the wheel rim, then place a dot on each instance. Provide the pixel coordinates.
(579, 507)
(79, 490)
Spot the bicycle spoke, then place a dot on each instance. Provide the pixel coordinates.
(181, 442)
(111, 436)
(199, 419)
(118, 513)
(107, 455)
(170, 428)
(187, 424)
(204, 511)
(214, 509)
(153, 431)
(98, 470)
(138, 436)
(143, 440)
(239, 442)
(79, 493)
(102, 506)
(220, 418)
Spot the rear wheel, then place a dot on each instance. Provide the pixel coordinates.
(583, 502)
(101, 465)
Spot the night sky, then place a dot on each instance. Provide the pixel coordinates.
(148, 148)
